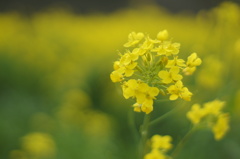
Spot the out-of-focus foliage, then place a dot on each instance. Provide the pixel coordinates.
(55, 91)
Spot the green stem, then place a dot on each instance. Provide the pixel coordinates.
(155, 121)
(180, 145)
(144, 135)
(132, 125)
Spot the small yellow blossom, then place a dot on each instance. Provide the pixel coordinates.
(127, 58)
(148, 43)
(221, 126)
(117, 76)
(39, 145)
(160, 145)
(162, 35)
(143, 93)
(175, 62)
(178, 90)
(134, 38)
(129, 69)
(214, 107)
(161, 142)
(116, 65)
(155, 154)
(167, 48)
(144, 96)
(195, 114)
(192, 62)
(129, 88)
(189, 70)
(171, 76)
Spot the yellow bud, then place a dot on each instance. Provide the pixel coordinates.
(162, 35)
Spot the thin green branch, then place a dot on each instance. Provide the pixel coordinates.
(180, 145)
(132, 125)
(155, 121)
(144, 135)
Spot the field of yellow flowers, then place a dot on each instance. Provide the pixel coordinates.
(58, 99)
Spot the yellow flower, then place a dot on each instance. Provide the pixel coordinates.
(178, 90)
(221, 126)
(162, 35)
(147, 106)
(129, 88)
(161, 142)
(176, 62)
(160, 145)
(192, 62)
(171, 76)
(167, 48)
(133, 39)
(39, 145)
(214, 107)
(195, 114)
(129, 69)
(117, 76)
(189, 70)
(148, 43)
(116, 65)
(155, 154)
(145, 96)
(127, 58)
(186, 94)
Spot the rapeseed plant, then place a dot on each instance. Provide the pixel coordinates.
(150, 67)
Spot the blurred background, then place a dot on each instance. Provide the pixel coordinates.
(56, 98)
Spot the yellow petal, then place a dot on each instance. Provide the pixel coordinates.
(173, 97)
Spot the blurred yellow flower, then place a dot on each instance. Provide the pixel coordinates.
(39, 145)
(161, 142)
(159, 146)
(162, 35)
(221, 126)
(155, 154)
(192, 62)
(195, 114)
(210, 115)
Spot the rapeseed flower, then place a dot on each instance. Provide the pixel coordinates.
(192, 62)
(211, 116)
(150, 67)
(160, 145)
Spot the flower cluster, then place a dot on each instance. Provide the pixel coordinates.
(150, 67)
(210, 115)
(160, 145)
